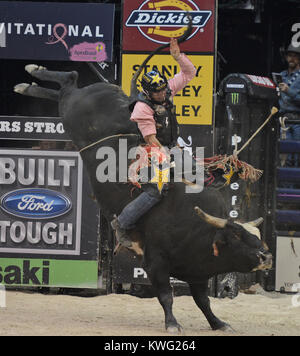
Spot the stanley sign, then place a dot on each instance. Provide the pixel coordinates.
(194, 104)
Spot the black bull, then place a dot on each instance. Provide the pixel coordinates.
(175, 241)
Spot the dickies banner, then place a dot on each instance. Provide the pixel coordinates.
(151, 23)
(56, 31)
(147, 24)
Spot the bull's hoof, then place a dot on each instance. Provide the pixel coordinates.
(21, 88)
(227, 328)
(174, 329)
(33, 67)
(135, 247)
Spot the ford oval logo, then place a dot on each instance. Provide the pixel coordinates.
(35, 203)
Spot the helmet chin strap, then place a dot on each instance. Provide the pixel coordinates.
(148, 94)
(155, 101)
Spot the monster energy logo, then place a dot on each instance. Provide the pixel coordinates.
(235, 98)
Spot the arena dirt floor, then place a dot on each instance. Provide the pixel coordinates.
(32, 313)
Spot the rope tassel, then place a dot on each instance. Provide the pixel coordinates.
(231, 163)
(245, 171)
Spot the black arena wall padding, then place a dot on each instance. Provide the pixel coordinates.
(288, 195)
(288, 174)
(288, 217)
(289, 146)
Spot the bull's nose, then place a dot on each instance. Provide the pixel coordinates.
(265, 261)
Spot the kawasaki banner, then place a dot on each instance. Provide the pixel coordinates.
(56, 31)
(48, 272)
(48, 221)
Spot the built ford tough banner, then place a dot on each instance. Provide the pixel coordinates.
(48, 220)
(56, 31)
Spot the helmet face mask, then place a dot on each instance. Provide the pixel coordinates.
(153, 82)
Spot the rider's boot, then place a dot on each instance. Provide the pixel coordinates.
(121, 234)
(131, 214)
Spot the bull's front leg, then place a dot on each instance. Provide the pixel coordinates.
(200, 294)
(158, 273)
(36, 91)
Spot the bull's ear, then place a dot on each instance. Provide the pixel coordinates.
(256, 222)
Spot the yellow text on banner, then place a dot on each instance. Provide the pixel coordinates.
(194, 104)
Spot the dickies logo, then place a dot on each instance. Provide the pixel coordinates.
(35, 203)
(161, 20)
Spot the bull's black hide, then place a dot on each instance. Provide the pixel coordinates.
(176, 242)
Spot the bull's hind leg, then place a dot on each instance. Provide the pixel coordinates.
(200, 294)
(160, 278)
(62, 78)
(36, 91)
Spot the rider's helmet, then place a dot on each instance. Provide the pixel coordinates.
(153, 82)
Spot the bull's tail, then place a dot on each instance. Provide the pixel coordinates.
(133, 87)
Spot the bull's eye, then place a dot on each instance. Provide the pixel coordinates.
(237, 236)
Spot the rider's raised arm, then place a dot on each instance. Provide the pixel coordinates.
(186, 74)
(187, 69)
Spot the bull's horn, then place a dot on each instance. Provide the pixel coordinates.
(212, 220)
(256, 222)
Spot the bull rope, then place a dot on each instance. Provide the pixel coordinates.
(133, 87)
(273, 112)
(104, 139)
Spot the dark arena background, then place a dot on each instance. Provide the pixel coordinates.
(248, 42)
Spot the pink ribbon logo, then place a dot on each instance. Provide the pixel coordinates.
(59, 38)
